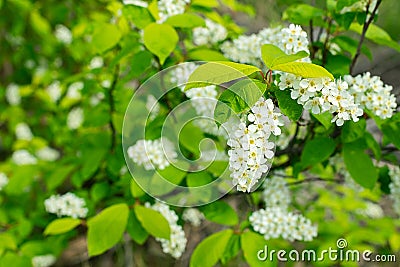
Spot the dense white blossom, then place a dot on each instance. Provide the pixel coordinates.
(48, 154)
(152, 154)
(95, 99)
(212, 33)
(250, 149)
(96, 63)
(3, 180)
(23, 132)
(12, 94)
(274, 223)
(136, 3)
(247, 49)
(23, 157)
(44, 260)
(75, 118)
(63, 34)
(74, 90)
(54, 91)
(175, 246)
(66, 205)
(371, 93)
(394, 172)
(193, 216)
(276, 193)
(168, 8)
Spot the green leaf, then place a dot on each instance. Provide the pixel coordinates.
(376, 35)
(58, 176)
(317, 150)
(304, 69)
(211, 249)
(206, 55)
(252, 243)
(60, 226)
(7, 241)
(185, 20)
(196, 179)
(218, 72)
(324, 118)
(136, 190)
(359, 165)
(273, 55)
(352, 131)
(391, 130)
(135, 229)
(373, 145)
(154, 223)
(139, 16)
(302, 14)
(288, 106)
(106, 228)
(232, 249)
(40, 24)
(105, 37)
(205, 3)
(220, 212)
(160, 39)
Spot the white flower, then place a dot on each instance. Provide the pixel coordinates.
(23, 157)
(276, 193)
(96, 99)
(193, 216)
(371, 210)
(176, 245)
(136, 3)
(3, 180)
(152, 106)
(74, 90)
(212, 33)
(63, 34)
(96, 63)
(66, 205)
(75, 118)
(12, 94)
(168, 8)
(44, 260)
(48, 154)
(152, 154)
(54, 91)
(23, 132)
(274, 222)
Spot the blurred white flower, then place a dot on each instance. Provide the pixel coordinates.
(12, 94)
(96, 63)
(136, 3)
(23, 132)
(66, 205)
(193, 216)
(212, 33)
(3, 180)
(48, 154)
(152, 106)
(276, 193)
(75, 118)
(23, 157)
(44, 260)
(54, 91)
(168, 8)
(63, 34)
(74, 90)
(96, 99)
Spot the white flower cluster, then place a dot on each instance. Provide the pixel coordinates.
(394, 172)
(247, 49)
(193, 216)
(276, 193)
(63, 34)
(321, 94)
(96, 63)
(74, 90)
(168, 8)
(75, 118)
(250, 149)
(371, 93)
(177, 243)
(66, 205)
(371, 210)
(23, 157)
(135, 3)
(48, 154)
(3, 180)
(54, 91)
(23, 132)
(152, 153)
(44, 260)
(152, 106)
(274, 222)
(212, 33)
(12, 94)
(96, 98)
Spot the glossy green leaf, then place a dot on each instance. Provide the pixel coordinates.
(376, 35)
(252, 243)
(160, 39)
(351, 130)
(304, 69)
(105, 37)
(303, 13)
(185, 20)
(232, 249)
(139, 16)
(324, 118)
(220, 212)
(273, 55)
(287, 105)
(135, 229)
(218, 72)
(211, 249)
(317, 150)
(391, 131)
(106, 228)
(60, 226)
(154, 223)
